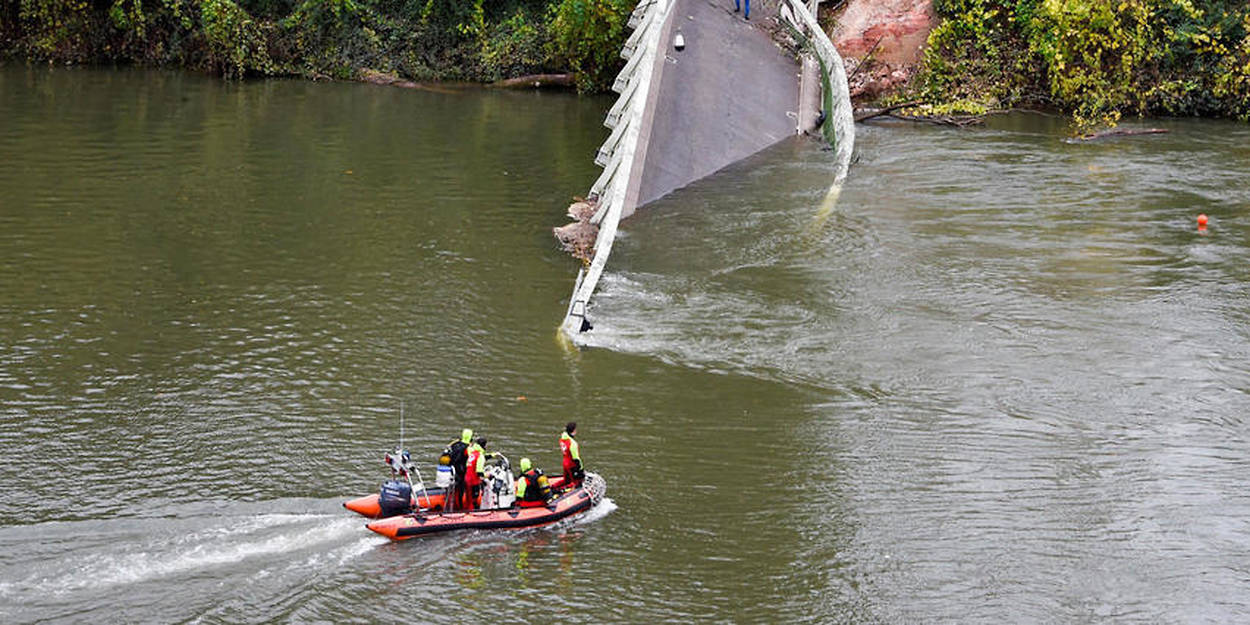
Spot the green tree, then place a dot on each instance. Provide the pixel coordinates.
(587, 36)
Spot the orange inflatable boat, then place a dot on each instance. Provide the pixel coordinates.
(568, 504)
(399, 495)
(371, 505)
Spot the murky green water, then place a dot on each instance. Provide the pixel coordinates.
(1006, 380)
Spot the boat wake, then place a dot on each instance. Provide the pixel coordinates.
(596, 513)
(93, 556)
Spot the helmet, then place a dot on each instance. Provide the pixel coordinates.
(466, 435)
(525, 464)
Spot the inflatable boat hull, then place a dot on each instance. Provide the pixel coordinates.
(369, 506)
(421, 524)
(431, 499)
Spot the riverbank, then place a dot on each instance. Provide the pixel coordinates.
(415, 41)
(1086, 58)
(1149, 57)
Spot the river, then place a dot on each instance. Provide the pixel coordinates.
(1005, 380)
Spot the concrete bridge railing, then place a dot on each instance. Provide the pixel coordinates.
(630, 147)
(616, 156)
(839, 127)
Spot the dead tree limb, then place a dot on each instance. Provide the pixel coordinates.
(535, 80)
(958, 121)
(1122, 132)
(867, 114)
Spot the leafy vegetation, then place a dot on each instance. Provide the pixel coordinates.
(416, 39)
(1099, 59)
(588, 35)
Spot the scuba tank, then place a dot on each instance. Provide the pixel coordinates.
(442, 473)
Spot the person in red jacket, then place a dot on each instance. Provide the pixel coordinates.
(475, 465)
(573, 472)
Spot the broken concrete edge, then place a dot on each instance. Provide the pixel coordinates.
(610, 190)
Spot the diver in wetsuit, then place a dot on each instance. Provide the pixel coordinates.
(458, 452)
(532, 489)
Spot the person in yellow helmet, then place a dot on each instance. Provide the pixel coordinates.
(532, 489)
(572, 457)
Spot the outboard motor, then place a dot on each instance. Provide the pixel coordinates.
(395, 498)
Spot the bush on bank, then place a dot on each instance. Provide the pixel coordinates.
(417, 39)
(1098, 59)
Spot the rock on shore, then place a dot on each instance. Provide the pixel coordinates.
(891, 32)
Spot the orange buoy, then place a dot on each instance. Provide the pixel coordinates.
(1202, 221)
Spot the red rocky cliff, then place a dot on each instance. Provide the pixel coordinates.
(893, 31)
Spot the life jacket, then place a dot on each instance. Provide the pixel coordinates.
(569, 451)
(536, 487)
(473, 456)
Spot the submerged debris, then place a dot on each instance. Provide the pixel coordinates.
(578, 238)
(1120, 132)
(385, 79)
(863, 115)
(534, 81)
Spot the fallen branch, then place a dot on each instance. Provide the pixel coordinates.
(375, 77)
(867, 114)
(1122, 132)
(958, 121)
(535, 80)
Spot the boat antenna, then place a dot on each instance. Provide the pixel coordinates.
(409, 469)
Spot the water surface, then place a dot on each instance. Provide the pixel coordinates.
(1004, 380)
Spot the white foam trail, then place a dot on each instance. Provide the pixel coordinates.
(360, 547)
(604, 508)
(596, 513)
(333, 558)
(249, 526)
(103, 571)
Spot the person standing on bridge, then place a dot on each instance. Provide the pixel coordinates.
(573, 472)
(738, 7)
